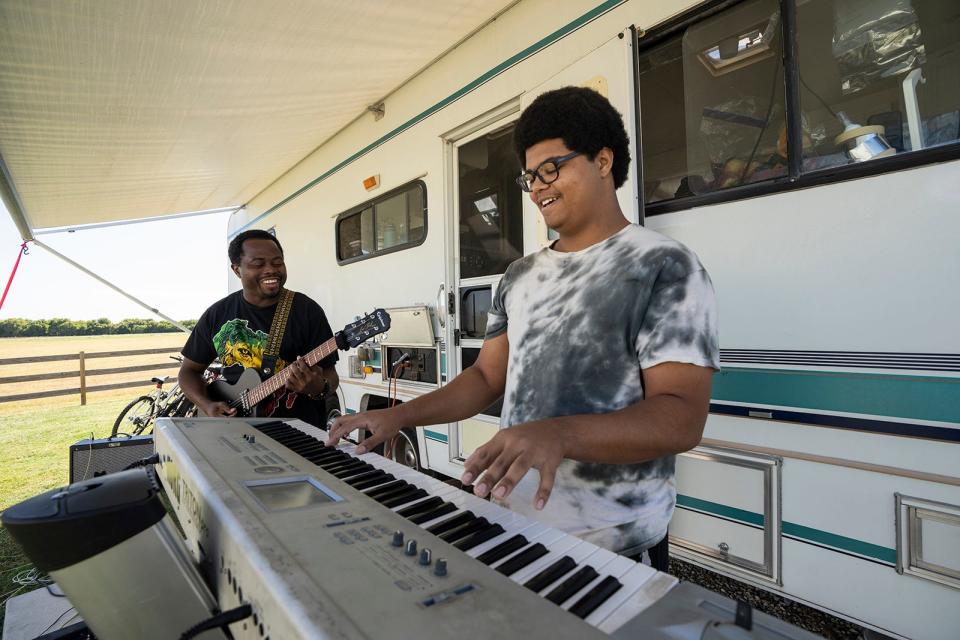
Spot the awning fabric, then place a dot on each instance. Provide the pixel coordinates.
(124, 109)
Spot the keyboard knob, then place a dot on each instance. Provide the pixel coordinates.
(411, 548)
(440, 568)
(398, 538)
(426, 557)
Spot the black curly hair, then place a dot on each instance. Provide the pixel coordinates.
(235, 249)
(584, 119)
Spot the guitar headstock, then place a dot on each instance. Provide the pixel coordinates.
(356, 333)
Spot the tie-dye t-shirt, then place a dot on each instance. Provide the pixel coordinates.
(582, 326)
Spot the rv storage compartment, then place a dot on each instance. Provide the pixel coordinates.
(728, 510)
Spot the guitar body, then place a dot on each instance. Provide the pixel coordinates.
(231, 392)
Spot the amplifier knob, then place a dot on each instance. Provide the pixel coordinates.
(411, 549)
(426, 557)
(398, 538)
(440, 568)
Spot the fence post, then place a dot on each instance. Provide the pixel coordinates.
(83, 382)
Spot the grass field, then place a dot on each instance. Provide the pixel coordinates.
(35, 435)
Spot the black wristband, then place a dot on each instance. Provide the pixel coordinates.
(323, 392)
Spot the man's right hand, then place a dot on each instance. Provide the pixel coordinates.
(217, 409)
(382, 424)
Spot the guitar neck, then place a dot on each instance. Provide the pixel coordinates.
(259, 393)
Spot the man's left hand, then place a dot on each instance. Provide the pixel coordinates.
(304, 378)
(505, 459)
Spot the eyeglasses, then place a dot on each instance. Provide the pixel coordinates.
(548, 171)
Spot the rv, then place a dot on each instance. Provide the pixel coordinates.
(809, 153)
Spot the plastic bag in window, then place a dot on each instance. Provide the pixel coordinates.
(742, 146)
(874, 39)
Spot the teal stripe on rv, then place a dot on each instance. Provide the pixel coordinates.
(797, 531)
(435, 435)
(722, 510)
(895, 396)
(589, 16)
(859, 547)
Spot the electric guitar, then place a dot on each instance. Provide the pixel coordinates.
(249, 390)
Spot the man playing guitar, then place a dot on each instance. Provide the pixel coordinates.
(236, 329)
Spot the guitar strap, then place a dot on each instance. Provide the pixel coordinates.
(277, 328)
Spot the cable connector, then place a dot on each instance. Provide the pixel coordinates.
(143, 462)
(219, 621)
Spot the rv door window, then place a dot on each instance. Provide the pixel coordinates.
(396, 220)
(491, 206)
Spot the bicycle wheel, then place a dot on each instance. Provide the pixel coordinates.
(138, 415)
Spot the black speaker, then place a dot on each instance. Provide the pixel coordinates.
(92, 458)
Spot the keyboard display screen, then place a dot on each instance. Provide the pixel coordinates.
(291, 493)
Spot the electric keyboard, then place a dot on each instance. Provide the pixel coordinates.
(322, 543)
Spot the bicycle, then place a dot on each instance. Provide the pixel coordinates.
(143, 411)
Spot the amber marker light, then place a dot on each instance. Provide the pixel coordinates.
(372, 182)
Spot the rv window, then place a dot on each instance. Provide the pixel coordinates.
(869, 79)
(712, 104)
(877, 78)
(396, 220)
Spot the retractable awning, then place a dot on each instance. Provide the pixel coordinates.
(125, 109)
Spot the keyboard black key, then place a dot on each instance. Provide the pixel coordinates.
(337, 465)
(433, 514)
(404, 498)
(346, 466)
(390, 486)
(571, 585)
(503, 549)
(420, 507)
(551, 574)
(387, 494)
(311, 448)
(327, 458)
(522, 559)
(353, 471)
(353, 480)
(595, 597)
(452, 523)
(326, 453)
(478, 538)
(374, 482)
(464, 530)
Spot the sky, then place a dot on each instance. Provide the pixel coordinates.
(177, 266)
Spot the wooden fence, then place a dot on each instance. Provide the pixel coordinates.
(83, 373)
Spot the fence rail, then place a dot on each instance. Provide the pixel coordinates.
(83, 373)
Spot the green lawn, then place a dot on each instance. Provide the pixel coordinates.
(35, 439)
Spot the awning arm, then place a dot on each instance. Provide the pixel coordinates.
(12, 202)
(111, 285)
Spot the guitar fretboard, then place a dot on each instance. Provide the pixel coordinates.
(261, 392)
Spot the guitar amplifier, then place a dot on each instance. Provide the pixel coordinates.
(92, 458)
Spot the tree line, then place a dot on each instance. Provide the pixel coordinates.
(21, 327)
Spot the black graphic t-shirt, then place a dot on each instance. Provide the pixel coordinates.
(236, 333)
(582, 327)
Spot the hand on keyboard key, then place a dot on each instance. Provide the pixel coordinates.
(381, 423)
(498, 465)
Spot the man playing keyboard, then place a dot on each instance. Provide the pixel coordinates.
(602, 346)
